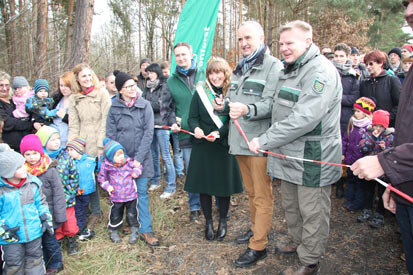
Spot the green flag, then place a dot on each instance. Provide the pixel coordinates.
(196, 26)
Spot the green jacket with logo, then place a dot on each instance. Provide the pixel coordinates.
(305, 122)
(258, 83)
(182, 89)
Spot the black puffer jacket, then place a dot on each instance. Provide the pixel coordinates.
(14, 129)
(385, 90)
(52, 188)
(159, 98)
(351, 93)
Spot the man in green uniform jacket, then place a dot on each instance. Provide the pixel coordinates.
(305, 124)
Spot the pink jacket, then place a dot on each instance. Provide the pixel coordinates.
(120, 178)
(20, 102)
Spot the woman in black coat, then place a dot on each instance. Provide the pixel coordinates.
(212, 170)
(14, 129)
(383, 88)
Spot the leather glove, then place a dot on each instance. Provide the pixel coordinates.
(10, 234)
(47, 223)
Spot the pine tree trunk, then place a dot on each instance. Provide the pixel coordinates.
(69, 29)
(81, 33)
(41, 39)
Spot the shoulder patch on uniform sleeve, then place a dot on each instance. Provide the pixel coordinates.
(318, 86)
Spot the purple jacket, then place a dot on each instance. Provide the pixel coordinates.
(351, 149)
(120, 178)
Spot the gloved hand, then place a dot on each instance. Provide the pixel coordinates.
(9, 234)
(47, 223)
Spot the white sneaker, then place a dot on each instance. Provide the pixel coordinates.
(166, 195)
(154, 187)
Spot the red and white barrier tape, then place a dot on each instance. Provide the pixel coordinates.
(398, 192)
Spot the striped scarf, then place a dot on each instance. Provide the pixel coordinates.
(247, 61)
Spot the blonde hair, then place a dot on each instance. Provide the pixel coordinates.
(298, 24)
(74, 84)
(350, 125)
(218, 64)
(6, 76)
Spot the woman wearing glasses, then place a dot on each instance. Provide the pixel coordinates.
(88, 108)
(157, 93)
(382, 87)
(130, 122)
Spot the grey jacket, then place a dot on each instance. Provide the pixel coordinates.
(52, 188)
(258, 83)
(133, 128)
(305, 122)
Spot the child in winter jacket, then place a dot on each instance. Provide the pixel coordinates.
(116, 176)
(375, 140)
(21, 93)
(68, 173)
(42, 166)
(39, 105)
(24, 216)
(86, 166)
(357, 125)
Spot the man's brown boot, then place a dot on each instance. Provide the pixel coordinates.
(300, 269)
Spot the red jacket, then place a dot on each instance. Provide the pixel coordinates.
(397, 162)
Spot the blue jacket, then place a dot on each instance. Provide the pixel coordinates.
(22, 207)
(86, 168)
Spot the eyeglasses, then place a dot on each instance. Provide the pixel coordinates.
(130, 87)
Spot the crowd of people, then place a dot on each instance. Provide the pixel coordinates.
(60, 150)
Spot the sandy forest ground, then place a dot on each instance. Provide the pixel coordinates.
(353, 248)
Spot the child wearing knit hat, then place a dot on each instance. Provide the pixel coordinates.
(21, 92)
(376, 139)
(116, 176)
(25, 218)
(42, 166)
(358, 123)
(67, 169)
(40, 104)
(86, 166)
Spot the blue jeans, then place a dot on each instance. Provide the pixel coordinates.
(404, 215)
(194, 201)
(52, 254)
(178, 159)
(161, 140)
(144, 215)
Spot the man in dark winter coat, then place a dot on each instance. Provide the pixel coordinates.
(397, 163)
(360, 68)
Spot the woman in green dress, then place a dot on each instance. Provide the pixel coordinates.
(212, 170)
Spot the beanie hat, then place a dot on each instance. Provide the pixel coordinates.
(110, 148)
(78, 144)
(19, 81)
(365, 104)
(408, 47)
(381, 117)
(354, 50)
(41, 84)
(121, 78)
(397, 51)
(31, 143)
(45, 132)
(10, 161)
(144, 60)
